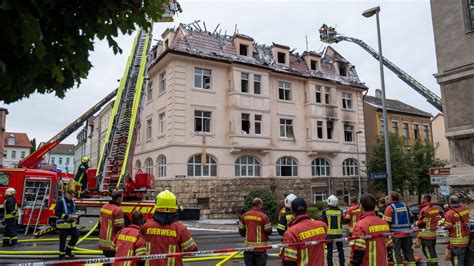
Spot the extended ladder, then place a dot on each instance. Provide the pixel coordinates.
(115, 160)
(43, 198)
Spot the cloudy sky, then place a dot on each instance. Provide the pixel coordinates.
(407, 40)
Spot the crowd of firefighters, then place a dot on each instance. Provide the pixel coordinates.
(163, 233)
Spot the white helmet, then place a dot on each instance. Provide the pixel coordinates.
(10, 191)
(333, 201)
(289, 199)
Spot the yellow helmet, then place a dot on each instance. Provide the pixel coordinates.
(166, 202)
(85, 159)
(10, 191)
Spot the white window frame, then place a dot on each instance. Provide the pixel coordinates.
(317, 193)
(347, 101)
(11, 141)
(287, 161)
(162, 82)
(346, 131)
(149, 128)
(318, 94)
(161, 164)
(13, 154)
(286, 128)
(23, 155)
(257, 79)
(244, 79)
(247, 166)
(149, 166)
(204, 118)
(199, 75)
(285, 87)
(195, 163)
(350, 167)
(161, 120)
(320, 167)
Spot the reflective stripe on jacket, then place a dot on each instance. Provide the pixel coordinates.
(256, 225)
(285, 218)
(64, 208)
(398, 216)
(129, 242)
(10, 208)
(352, 215)
(428, 220)
(111, 221)
(457, 223)
(332, 216)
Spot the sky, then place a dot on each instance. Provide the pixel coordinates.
(407, 41)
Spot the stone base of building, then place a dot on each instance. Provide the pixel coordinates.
(223, 198)
(461, 181)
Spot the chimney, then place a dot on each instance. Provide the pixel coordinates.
(378, 94)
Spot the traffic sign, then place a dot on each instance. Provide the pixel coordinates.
(444, 189)
(437, 180)
(380, 175)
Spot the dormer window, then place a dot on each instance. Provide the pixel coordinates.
(243, 49)
(281, 58)
(314, 65)
(11, 140)
(342, 69)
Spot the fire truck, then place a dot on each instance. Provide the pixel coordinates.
(38, 189)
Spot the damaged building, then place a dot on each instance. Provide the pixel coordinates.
(223, 115)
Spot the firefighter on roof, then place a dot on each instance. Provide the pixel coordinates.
(369, 252)
(332, 216)
(66, 223)
(111, 221)
(398, 216)
(302, 229)
(285, 214)
(81, 176)
(428, 221)
(10, 213)
(165, 234)
(255, 226)
(352, 214)
(129, 242)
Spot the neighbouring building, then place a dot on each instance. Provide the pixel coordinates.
(453, 26)
(84, 138)
(16, 146)
(99, 130)
(3, 120)
(439, 137)
(403, 120)
(224, 115)
(63, 157)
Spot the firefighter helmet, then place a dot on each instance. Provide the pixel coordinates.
(10, 191)
(289, 199)
(166, 202)
(333, 201)
(85, 159)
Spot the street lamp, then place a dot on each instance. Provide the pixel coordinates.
(369, 13)
(358, 161)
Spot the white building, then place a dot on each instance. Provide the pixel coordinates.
(16, 147)
(63, 157)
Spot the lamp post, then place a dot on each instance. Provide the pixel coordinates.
(369, 13)
(358, 161)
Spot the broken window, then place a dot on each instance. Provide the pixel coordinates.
(202, 78)
(284, 91)
(327, 96)
(243, 49)
(318, 93)
(329, 129)
(258, 124)
(286, 166)
(245, 124)
(202, 121)
(346, 101)
(244, 82)
(319, 129)
(342, 69)
(166, 45)
(348, 133)
(281, 58)
(416, 131)
(313, 64)
(256, 84)
(286, 128)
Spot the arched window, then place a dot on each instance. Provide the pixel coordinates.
(198, 169)
(247, 166)
(287, 166)
(149, 166)
(320, 167)
(138, 165)
(161, 163)
(350, 167)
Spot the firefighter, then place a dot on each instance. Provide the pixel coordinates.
(66, 223)
(352, 214)
(332, 216)
(285, 214)
(255, 226)
(428, 221)
(10, 213)
(373, 251)
(383, 201)
(111, 221)
(130, 242)
(398, 216)
(302, 229)
(164, 233)
(456, 220)
(81, 176)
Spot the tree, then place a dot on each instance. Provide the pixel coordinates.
(33, 145)
(45, 45)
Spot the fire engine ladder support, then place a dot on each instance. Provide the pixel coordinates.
(114, 156)
(432, 98)
(45, 197)
(33, 206)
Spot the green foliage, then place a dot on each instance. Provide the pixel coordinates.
(314, 213)
(410, 164)
(270, 207)
(46, 44)
(33, 145)
(320, 205)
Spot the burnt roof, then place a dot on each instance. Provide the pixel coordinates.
(205, 45)
(395, 106)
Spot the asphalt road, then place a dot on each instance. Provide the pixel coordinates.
(205, 239)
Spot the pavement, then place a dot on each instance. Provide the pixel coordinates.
(208, 235)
